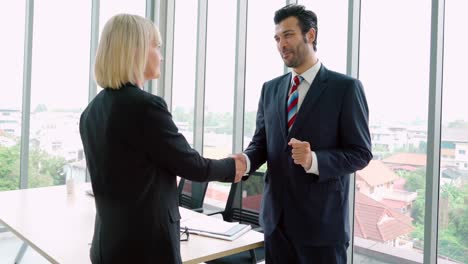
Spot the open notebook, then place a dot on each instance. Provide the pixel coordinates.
(213, 227)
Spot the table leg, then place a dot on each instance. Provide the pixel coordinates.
(21, 252)
(253, 256)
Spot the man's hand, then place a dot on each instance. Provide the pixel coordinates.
(301, 153)
(241, 166)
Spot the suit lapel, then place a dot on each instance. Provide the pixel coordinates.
(281, 93)
(315, 90)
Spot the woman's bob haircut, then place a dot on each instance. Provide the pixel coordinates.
(123, 50)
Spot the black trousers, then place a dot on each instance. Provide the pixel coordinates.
(280, 249)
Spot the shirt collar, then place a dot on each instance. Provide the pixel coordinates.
(308, 75)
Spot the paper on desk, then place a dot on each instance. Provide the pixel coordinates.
(208, 224)
(243, 229)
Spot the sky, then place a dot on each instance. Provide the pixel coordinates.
(394, 53)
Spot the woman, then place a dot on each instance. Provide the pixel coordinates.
(134, 151)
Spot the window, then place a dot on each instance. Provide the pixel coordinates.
(394, 69)
(263, 60)
(109, 8)
(332, 20)
(452, 233)
(219, 86)
(59, 87)
(185, 31)
(11, 74)
(219, 89)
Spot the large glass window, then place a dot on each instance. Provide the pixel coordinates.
(263, 61)
(394, 68)
(11, 74)
(59, 91)
(183, 93)
(453, 212)
(109, 8)
(219, 88)
(332, 20)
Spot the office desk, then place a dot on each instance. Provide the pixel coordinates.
(60, 226)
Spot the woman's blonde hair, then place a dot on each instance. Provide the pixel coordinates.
(123, 50)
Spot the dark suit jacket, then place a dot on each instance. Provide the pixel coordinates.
(333, 118)
(134, 152)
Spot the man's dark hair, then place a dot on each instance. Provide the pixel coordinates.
(307, 19)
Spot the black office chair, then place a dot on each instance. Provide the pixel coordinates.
(192, 194)
(244, 201)
(243, 206)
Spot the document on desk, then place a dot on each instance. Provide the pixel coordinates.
(212, 227)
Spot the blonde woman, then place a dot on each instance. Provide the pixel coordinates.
(134, 151)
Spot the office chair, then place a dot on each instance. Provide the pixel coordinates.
(243, 206)
(192, 194)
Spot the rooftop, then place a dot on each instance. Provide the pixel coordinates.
(376, 173)
(374, 220)
(415, 159)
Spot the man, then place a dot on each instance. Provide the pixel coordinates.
(312, 130)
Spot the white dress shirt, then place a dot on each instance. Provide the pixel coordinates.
(309, 76)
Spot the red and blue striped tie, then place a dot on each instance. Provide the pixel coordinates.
(292, 101)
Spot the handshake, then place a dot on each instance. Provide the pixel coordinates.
(241, 166)
(300, 153)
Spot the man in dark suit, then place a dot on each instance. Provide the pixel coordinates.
(312, 130)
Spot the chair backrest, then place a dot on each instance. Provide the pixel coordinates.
(244, 200)
(191, 194)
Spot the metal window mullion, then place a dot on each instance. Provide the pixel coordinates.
(166, 27)
(239, 77)
(198, 124)
(150, 10)
(93, 48)
(153, 12)
(92, 86)
(434, 131)
(150, 13)
(26, 102)
(352, 69)
(354, 20)
(289, 2)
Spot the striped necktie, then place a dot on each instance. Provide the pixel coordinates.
(293, 99)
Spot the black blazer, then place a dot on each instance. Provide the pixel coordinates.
(333, 118)
(134, 152)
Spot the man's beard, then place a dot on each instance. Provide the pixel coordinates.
(293, 63)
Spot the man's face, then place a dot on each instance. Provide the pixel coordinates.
(292, 45)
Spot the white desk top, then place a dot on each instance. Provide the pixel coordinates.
(60, 226)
